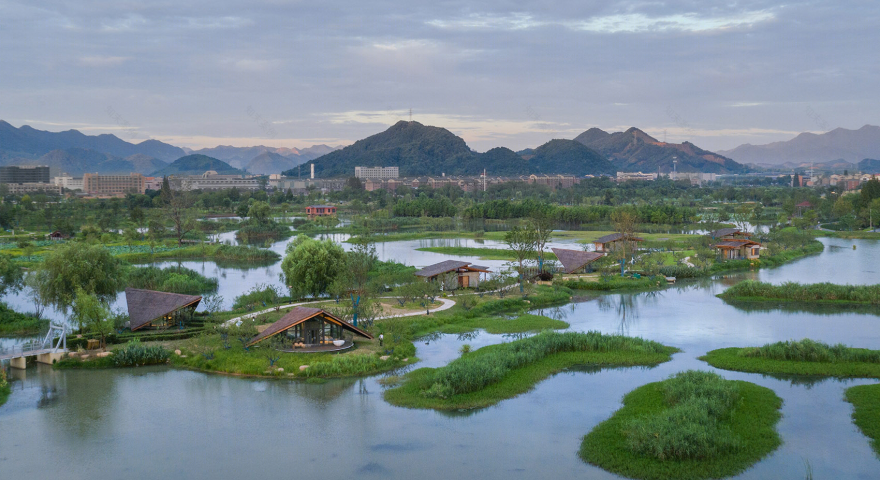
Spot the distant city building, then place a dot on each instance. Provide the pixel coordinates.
(20, 188)
(696, 178)
(627, 176)
(95, 184)
(153, 183)
(211, 180)
(68, 182)
(24, 174)
(554, 181)
(299, 186)
(376, 172)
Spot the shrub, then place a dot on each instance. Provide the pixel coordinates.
(260, 294)
(171, 279)
(134, 353)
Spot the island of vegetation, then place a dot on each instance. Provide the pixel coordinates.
(754, 291)
(694, 425)
(804, 357)
(498, 372)
(5, 389)
(865, 400)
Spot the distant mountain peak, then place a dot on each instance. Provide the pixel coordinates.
(838, 144)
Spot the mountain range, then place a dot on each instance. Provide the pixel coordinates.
(241, 157)
(197, 164)
(838, 144)
(425, 150)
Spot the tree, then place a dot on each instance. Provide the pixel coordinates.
(521, 241)
(310, 266)
(90, 313)
(10, 275)
(179, 210)
(625, 222)
(543, 224)
(259, 212)
(165, 193)
(131, 235)
(75, 266)
(742, 215)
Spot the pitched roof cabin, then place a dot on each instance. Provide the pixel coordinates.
(802, 207)
(739, 248)
(723, 233)
(310, 330)
(149, 308)
(320, 210)
(610, 243)
(468, 274)
(575, 261)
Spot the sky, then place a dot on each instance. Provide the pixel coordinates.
(498, 73)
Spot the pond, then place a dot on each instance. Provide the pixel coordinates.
(156, 421)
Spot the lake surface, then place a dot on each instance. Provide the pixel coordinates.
(154, 422)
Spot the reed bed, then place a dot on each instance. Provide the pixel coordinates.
(474, 372)
(798, 292)
(693, 427)
(807, 350)
(172, 279)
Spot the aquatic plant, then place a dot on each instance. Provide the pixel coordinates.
(816, 292)
(807, 350)
(134, 353)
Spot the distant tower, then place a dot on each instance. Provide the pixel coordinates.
(410, 115)
(313, 171)
(674, 169)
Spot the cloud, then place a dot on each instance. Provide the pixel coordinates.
(686, 22)
(101, 61)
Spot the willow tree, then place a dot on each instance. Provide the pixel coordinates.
(74, 266)
(311, 266)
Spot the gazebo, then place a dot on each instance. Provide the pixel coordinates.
(312, 330)
(574, 261)
(149, 308)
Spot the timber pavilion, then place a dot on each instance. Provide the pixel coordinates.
(468, 275)
(152, 309)
(306, 329)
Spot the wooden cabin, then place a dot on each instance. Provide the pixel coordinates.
(802, 208)
(320, 211)
(575, 261)
(468, 274)
(152, 309)
(57, 236)
(310, 329)
(739, 249)
(614, 241)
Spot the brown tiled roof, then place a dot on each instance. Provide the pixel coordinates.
(299, 315)
(478, 267)
(144, 306)
(615, 237)
(735, 243)
(572, 260)
(442, 267)
(723, 232)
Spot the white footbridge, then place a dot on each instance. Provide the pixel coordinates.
(48, 350)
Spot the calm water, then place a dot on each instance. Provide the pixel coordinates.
(153, 422)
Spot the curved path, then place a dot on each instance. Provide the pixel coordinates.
(447, 304)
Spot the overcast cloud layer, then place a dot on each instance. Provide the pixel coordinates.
(202, 73)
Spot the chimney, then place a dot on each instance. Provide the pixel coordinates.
(313, 171)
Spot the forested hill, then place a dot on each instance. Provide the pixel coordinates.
(424, 150)
(417, 149)
(197, 165)
(635, 150)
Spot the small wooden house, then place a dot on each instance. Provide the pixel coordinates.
(149, 308)
(57, 236)
(320, 211)
(614, 241)
(468, 274)
(310, 329)
(739, 249)
(575, 261)
(802, 208)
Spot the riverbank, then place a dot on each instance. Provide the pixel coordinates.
(498, 372)
(16, 324)
(694, 425)
(804, 357)
(865, 400)
(206, 251)
(754, 291)
(5, 389)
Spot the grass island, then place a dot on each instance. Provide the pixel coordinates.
(804, 357)
(694, 425)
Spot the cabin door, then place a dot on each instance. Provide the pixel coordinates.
(464, 281)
